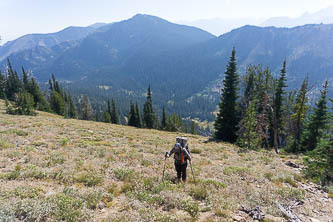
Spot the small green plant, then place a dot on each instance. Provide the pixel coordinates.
(27, 192)
(199, 192)
(196, 150)
(93, 198)
(290, 181)
(190, 206)
(242, 171)
(89, 178)
(64, 141)
(269, 176)
(124, 174)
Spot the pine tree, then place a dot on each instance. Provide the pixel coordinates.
(319, 162)
(138, 116)
(278, 102)
(114, 113)
(247, 135)
(163, 122)
(300, 110)
(106, 118)
(57, 103)
(132, 116)
(193, 130)
(148, 112)
(174, 123)
(23, 105)
(2, 86)
(25, 79)
(72, 113)
(86, 110)
(228, 116)
(13, 83)
(317, 123)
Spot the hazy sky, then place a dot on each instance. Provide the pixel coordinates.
(19, 17)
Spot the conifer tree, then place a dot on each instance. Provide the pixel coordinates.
(132, 116)
(86, 110)
(72, 113)
(148, 112)
(163, 122)
(57, 103)
(228, 116)
(25, 79)
(247, 135)
(319, 162)
(114, 113)
(138, 116)
(106, 118)
(13, 83)
(23, 105)
(174, 123)
(300, 110)
(2, 86)
(193, 131)
(278, 102)
(317, 123)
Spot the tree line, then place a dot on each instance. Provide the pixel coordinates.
(256, 111)
(23, 96)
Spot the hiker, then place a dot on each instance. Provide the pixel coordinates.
(182, 154)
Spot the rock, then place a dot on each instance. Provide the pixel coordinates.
(314, 220)
(101, 205)
(50, 193)
(238, 218)
(291, 164)
(272, 218)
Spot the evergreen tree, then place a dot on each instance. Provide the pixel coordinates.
(13, 83)
(228, 116)
(71, 113)
(317, 123)
(300, 110)
(138, 116)
(193, 131)
(106, 118)
(148, 112)
(86, 110)
(2, 86)
(319, 163)
(163, 122)
(40, 102)
(132, 116)
(247, 135)
(114, 113)
(57, 103)
(25, 79)
(174, 123)
(278, 101)
(23, 105)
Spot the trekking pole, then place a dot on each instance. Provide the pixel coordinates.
(164, 168)
(192, 171)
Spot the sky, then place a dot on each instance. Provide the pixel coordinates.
(19, 17)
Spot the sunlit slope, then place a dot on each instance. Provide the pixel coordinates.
(72, 170)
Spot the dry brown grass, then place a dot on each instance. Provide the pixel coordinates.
(80, 170)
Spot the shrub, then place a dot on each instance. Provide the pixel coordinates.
(199, 192)
(27, 192)
(124, 174)
(290, 181)
(89, 178)
(190, 206)
(196, 150)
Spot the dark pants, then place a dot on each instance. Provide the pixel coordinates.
(181, 170)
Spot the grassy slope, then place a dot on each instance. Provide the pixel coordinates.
(72, 169)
